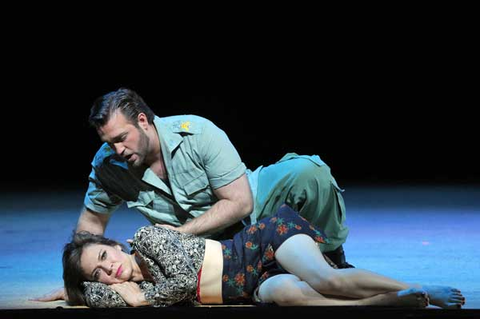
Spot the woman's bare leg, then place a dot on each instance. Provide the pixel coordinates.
(300, 256)
(289, 290)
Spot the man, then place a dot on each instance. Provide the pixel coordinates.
(184, 173)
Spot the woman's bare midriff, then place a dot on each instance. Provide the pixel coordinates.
(212, 270)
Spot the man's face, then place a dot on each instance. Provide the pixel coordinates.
(126, 139)
(106, 264)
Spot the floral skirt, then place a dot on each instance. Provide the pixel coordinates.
(249, 258)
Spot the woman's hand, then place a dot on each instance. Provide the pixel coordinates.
(131, 293)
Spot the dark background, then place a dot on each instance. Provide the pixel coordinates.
(423, 131)
(380, 106)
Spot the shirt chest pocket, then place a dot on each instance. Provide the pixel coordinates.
(155, 208)
(144, 199)
(198, 190)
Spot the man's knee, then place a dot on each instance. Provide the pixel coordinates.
(312, 185)
(310, 175)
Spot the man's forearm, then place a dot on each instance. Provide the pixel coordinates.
(223, 214)
(92, 222)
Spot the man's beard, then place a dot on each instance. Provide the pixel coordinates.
(143, 145)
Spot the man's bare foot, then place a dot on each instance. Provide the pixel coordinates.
(445, 297)
(413, 297)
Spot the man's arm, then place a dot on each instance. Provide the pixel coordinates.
(92, 222)
(57, 294)
(235, 203)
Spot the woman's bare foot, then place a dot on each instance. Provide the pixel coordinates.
(445, 297)
(413, 297)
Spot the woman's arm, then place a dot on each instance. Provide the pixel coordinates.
(176, 276)
(176, 279)
(99, 295)
(132, 294)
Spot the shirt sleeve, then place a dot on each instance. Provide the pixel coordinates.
(99, 295)
(177, 280)
(97, 199)
(221, 159)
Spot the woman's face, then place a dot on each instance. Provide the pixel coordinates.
(106, 264)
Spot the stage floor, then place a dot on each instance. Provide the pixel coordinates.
(423, 234)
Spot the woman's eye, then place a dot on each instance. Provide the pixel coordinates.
(104, 255)
(96, 275)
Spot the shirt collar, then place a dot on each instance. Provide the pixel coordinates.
(168, 139)
(171, 129)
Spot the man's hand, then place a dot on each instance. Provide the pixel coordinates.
(168, 227)
(57, 294)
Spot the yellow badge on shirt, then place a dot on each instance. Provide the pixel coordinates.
(185, 126)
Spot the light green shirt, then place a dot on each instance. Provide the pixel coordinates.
(199, 158)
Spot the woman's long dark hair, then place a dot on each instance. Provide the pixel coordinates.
(73, 276)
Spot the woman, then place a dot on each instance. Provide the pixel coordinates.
(276, 260)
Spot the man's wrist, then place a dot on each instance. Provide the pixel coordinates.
(181, 229)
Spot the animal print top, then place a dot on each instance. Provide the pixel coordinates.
(173, 259)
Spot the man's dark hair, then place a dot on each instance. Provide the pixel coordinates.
(124, 100)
